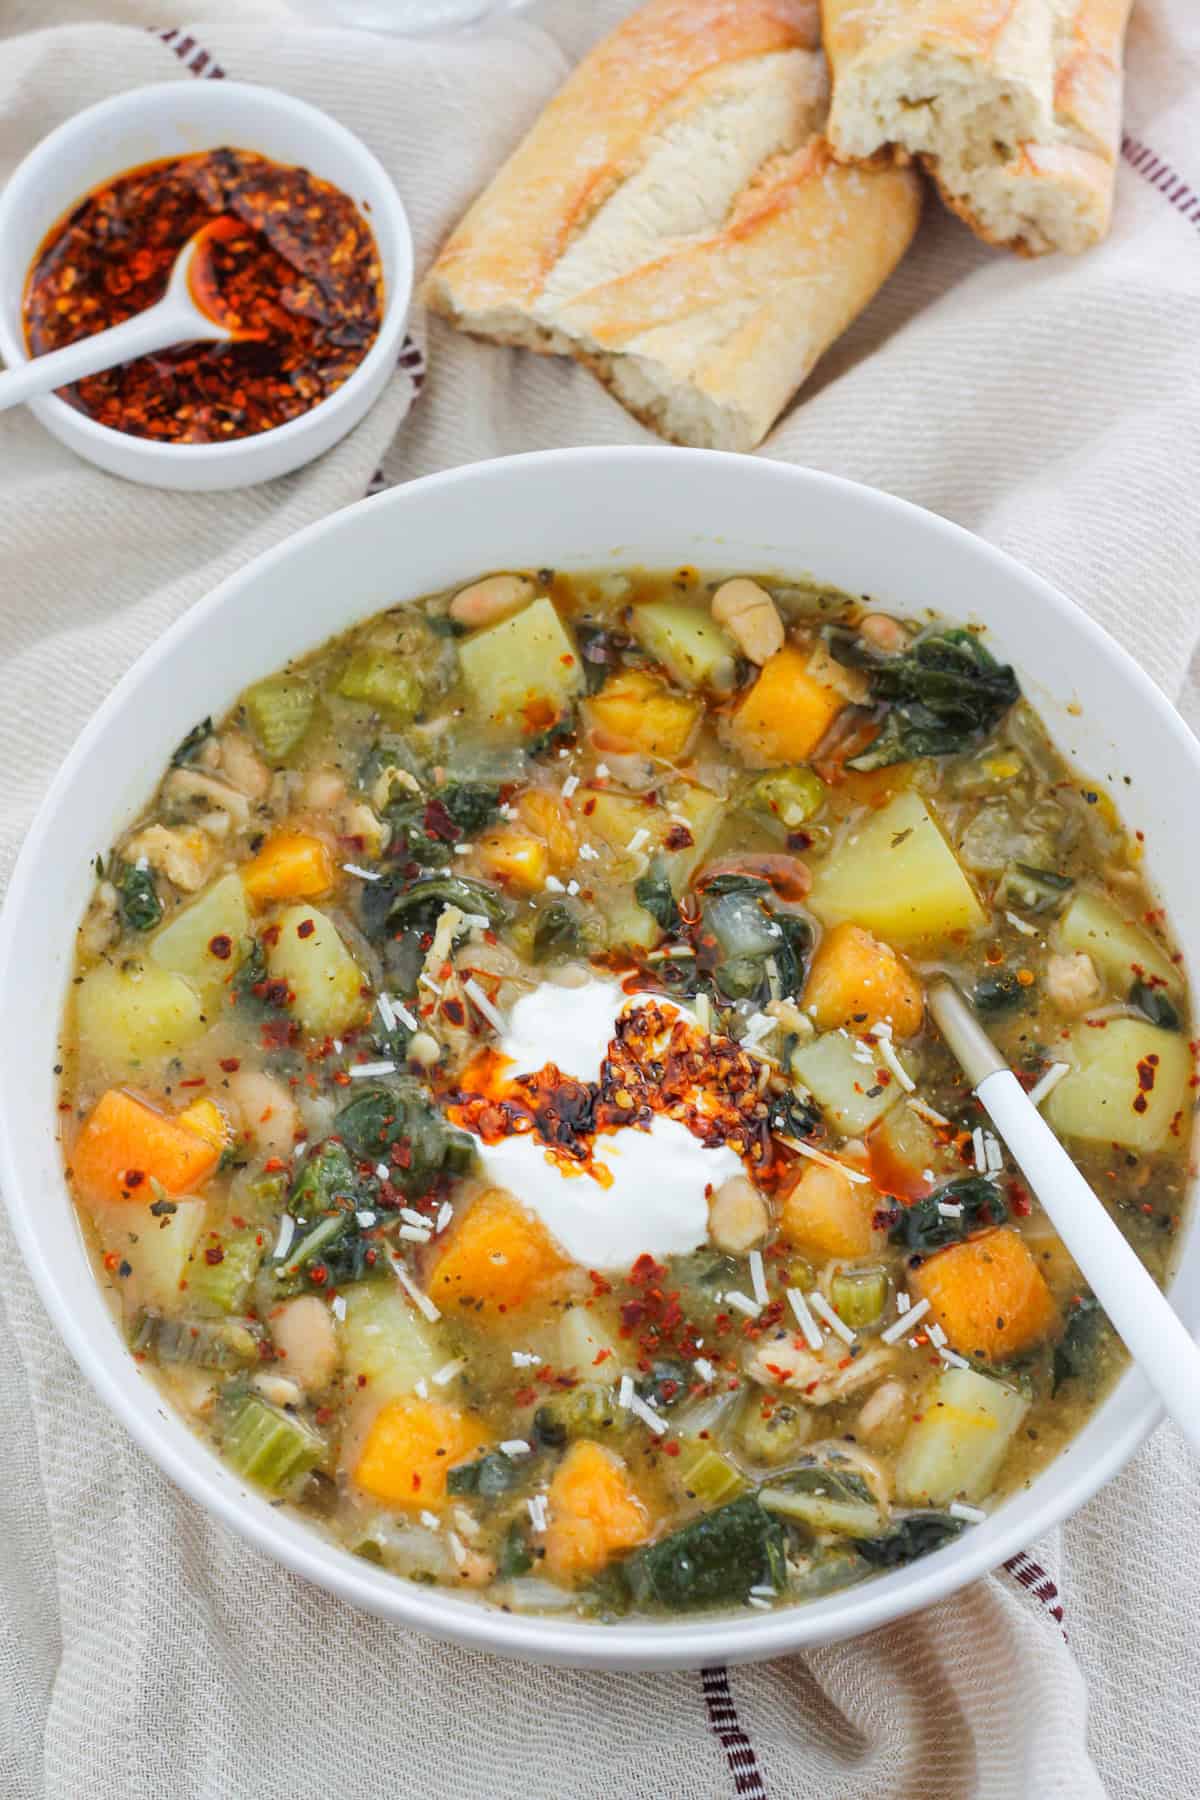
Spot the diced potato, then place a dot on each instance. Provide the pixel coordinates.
(703, 812)
(955, 1449)
(496, 1256)
(827, 1214)
(386, 1345)
(323, 977)
(786, 713)
(1120, 949)
(906, 1157)
(854, 980)
(125, 1146)
(634, 710)
(409, 1450)
(138, 1013)
(206, 1120)
(586, 1346)
(514, 857)
(547, 817)
(688, 642)
(616, 820)
(846, 1078)
(202, 942)
(897, 876)
(1128, 1085)
(162, 1255)
(524, 672)
(988, 1295)
(594, 1513)
(292, 865)
(627, 924)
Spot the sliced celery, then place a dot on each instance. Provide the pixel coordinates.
(280, 711)
(708, 1476)
(785, 799)
(385, 681)
(204, 1343)
(859, 1296)
(270, 1447)
(224, 1286)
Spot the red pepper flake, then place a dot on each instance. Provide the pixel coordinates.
(287, 262)
(273, 1165)
(221, 946)
(341, 1078)
(214, 1255)
(231, 1064)
(133, 1178)
(678, 838)
(671, 1448)
(194, 1081)
(305, 928)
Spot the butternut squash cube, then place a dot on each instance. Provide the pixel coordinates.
(497, 1257)
(514, 857)
(988, 1295)
(409, 1450)
(594, 1513)
(547, 817)
(827, 1213)
(634, 710)
(125, 1144)
(857, 981)
(292, 865)
(786, 713)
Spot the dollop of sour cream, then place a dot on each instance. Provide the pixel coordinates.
(658, 1199)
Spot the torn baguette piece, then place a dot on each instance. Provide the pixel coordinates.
(1014, 106)
(675, 221)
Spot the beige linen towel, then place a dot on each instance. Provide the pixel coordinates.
(1055, 409)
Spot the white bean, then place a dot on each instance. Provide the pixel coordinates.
(750, 616)
(738, 1218)
(267, 1111)
(484, 602)
(305, 1338)
(883, 633)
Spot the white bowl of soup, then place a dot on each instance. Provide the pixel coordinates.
(483, 1083)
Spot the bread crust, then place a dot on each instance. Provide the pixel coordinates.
(1050, 102)
(588, 139)
(704, 311)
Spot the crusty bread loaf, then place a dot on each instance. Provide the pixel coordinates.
(675, 221)
(1014, 106)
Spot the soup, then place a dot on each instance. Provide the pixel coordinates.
(498, 1091)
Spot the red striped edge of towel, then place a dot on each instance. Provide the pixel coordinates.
(726, 1727)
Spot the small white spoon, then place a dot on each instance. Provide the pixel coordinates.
(1139, 1311)
(176, 319)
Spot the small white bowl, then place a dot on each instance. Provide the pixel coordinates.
(571, 510)
(179, 118)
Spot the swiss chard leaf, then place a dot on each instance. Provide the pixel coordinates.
(516, 1557)
(418, 907)
(252, 987)
(1002, 992)
(329, 1246)
(376, 1121)
(1153, 1004)
(943, 694)
(922, 1227)
(917, 1535)
(470, 804)
(712, 1561)
(186, 751)
(653, 892)
(1076, 1355)
(137, 896)
(487, 1477)
(558, 933)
